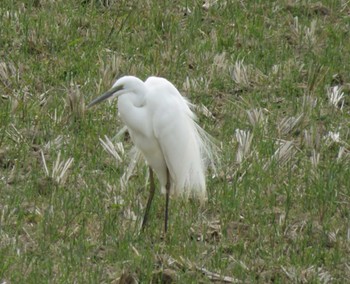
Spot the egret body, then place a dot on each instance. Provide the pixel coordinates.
(163, 127)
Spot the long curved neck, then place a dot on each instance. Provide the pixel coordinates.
(131, 110)
(137, 98)
(133, 89)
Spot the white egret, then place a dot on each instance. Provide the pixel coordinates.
(162, 126)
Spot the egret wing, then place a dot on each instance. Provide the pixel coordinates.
(178, 137)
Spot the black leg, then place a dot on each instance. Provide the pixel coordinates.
(167, 194)
(150, 198)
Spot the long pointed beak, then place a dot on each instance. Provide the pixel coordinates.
(106, 95)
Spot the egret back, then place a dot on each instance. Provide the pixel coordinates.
(183, 143)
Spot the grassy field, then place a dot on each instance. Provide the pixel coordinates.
(271, 82)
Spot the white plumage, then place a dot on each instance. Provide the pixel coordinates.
(163, 127)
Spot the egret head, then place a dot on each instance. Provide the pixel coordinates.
(126, 84)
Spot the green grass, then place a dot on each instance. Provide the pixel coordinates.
(274, 216)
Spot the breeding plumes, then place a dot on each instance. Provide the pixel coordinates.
(163, 127)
